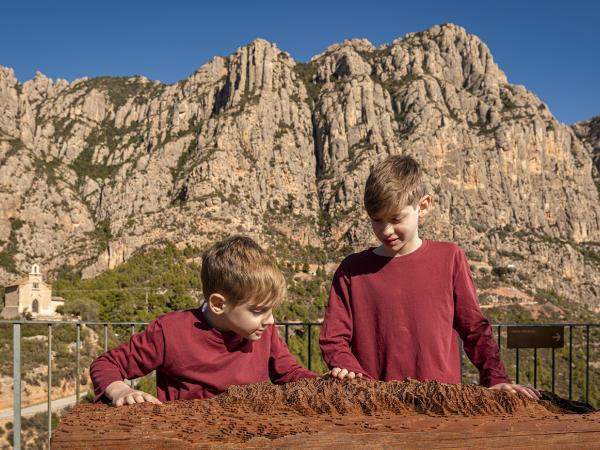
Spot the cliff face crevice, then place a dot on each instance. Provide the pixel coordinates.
(258, 143)
(589, 132)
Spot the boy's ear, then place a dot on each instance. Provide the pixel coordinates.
(425, 205)
(217, 303)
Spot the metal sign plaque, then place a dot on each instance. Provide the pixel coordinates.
(536, 337)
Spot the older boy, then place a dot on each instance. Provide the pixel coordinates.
(199, 353)
(395, 311)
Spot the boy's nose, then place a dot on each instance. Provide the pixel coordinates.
(388, 230)
(269, 320)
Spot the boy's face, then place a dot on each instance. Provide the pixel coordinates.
(398, 228)
(247, 320)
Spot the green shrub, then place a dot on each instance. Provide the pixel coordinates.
(478, 226)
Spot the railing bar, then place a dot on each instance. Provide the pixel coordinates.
(57, 322)
(49, 383)
(309, 347)
(78, 369)
(499, 341)
(105, 337)
(553, 369)
(460, 358)
(535, 363)
(72, 322)
(131, 333)
(17, 386)
(587, 363)
(517, 367)
(570, 362)
(287, 333)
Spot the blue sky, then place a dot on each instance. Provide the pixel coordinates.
(548, 46)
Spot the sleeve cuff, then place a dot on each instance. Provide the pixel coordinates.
(496, 380)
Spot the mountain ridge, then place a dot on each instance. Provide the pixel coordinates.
(258, 143)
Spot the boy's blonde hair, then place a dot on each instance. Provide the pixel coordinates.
(241, 271)
(394, 182)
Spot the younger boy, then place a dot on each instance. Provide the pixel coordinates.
(231, 340)
(395, 311)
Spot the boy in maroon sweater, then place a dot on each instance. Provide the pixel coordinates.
(396, 311)
(231, 340)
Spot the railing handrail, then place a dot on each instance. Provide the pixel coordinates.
(108, 322)
(72, 322)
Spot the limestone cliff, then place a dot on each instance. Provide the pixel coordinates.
(589, 132)
(258, 143)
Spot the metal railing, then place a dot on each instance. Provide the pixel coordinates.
(16, 324)
(17, 365)
(587, 327)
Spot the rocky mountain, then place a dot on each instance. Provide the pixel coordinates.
(589, 132)
(258, 143)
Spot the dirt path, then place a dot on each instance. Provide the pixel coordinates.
(57, 404)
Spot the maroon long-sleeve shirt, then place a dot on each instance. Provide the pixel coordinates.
(193, 360)
(393, 318)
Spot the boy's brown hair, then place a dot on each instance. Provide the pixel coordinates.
(241, 271)
(394, 182)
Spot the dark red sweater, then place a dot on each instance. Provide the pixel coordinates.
(193, 360)
(393, 318)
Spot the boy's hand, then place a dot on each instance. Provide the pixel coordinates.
(121, 394)
(340, 374)
(514, 388)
